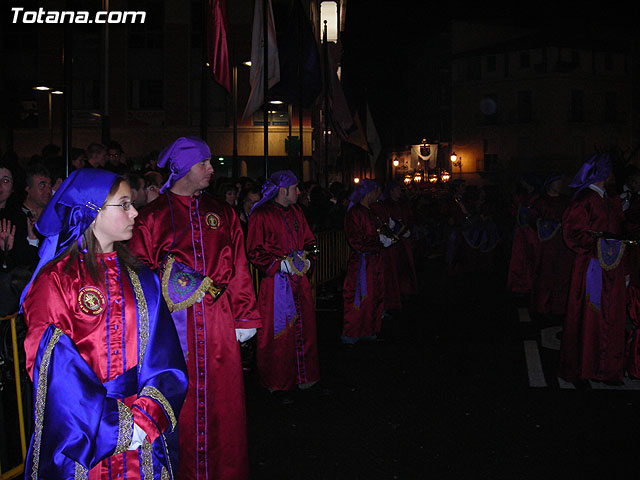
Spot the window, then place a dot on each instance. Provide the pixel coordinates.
(608, 62)
(146, 94)
(525, 107)
(525, 59)
(610, 107)
(278, 116)
(491, 63)
(577, 106)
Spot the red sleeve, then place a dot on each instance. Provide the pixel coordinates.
(576, 226)
(150, 417)
(258, 252)
(361, 233)
(243, 304)
(43, 306)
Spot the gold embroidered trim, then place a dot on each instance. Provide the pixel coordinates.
(81, 473)
(292, 266)
(147, 460)
(155, 394)
(206, 286)
(125, 430)
(41, 400)
(557, 229)
(169, 474)
(143, 311)
(618, 260)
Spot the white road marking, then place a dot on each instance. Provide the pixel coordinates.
(549, 338)
(534, 366)
(523, 314)
(628, 384)
(565, 384)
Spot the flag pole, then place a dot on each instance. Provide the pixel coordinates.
(234, 168)
(326, 105)
(203, 74)
(300, 87)
(265, 107)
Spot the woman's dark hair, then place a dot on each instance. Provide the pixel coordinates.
(92, 247)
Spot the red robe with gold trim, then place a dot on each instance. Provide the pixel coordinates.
(209, 239)
(390, 264)
(364, 282)
(523, 250)
(287, 357)
(593, 339)
(554, 261)
(114, 329)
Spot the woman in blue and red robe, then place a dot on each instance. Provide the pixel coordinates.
(101, 347)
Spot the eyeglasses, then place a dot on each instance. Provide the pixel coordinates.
(124, 205)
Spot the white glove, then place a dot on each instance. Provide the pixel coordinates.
(392, 223)
(285, 267)
(244, 334)
(406, 234)
(386, 241)
(138, 437)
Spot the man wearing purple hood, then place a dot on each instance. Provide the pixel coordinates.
(363, 288)
(593, 339)
(196, 243)
(279, 242)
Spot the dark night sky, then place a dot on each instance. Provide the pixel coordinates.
(386, 42)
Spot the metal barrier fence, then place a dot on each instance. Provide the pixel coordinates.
(330, 264)
(16, 470)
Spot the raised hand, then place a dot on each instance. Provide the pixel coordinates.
(7, 234)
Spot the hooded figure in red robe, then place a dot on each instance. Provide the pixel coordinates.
(554, 261)
(593, 339)
(196, 242)
(363, 289)
(280, 244)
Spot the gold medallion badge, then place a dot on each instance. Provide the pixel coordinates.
(91, 301)
(213, 220)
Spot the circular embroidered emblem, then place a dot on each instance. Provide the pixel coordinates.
(183, 282)
(91, 301)
(213, 220)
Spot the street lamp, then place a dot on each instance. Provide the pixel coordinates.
(444, 176)
(456, 162)
(50, 92)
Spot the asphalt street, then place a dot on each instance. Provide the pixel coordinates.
(463, 386)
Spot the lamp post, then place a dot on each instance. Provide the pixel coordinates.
(50, 92)
(456, 161)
